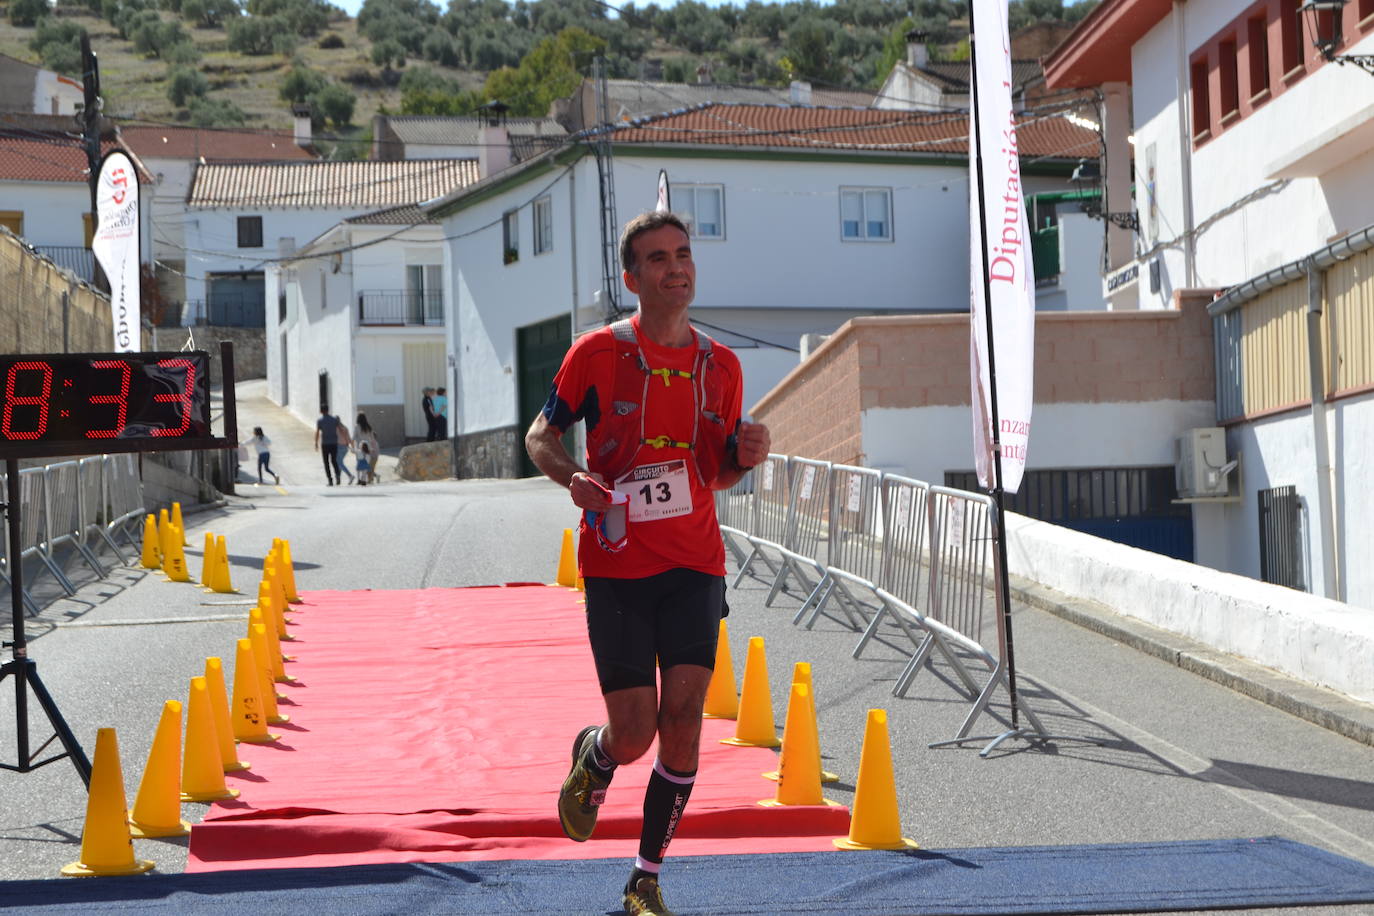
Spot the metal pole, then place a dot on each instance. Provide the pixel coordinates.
(1004, 590)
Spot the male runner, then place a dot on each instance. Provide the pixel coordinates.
(661, 403)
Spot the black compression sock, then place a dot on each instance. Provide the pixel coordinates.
(664, 801)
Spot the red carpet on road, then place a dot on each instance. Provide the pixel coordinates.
(436, 725)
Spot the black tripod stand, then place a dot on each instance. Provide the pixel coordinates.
(23, 669)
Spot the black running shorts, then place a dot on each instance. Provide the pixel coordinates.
(674, 616)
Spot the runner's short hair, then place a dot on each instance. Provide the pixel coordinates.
(646, 222)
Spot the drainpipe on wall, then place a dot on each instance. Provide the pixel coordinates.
(1185, 148)
(1331, 584)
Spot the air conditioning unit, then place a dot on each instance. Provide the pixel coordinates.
(1200, 465)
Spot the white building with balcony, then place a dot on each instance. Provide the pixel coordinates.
(801, 219)
(1254, 178)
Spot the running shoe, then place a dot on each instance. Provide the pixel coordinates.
(583, 791)
(644, 898)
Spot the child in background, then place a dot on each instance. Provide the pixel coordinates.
(364, 464)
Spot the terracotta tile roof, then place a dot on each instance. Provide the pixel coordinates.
(839, 129)
(34, 156)
(155, 142)
(265, 185)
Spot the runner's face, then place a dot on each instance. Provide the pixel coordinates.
(665, 276)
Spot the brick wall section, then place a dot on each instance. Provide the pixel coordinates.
(923, 360)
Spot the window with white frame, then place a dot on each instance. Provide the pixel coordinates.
(510, 237)
(543, 225)
(424, 294)
(704, 207)
(866, 214)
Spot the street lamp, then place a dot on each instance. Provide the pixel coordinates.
(1087, 180)
(1324, 20)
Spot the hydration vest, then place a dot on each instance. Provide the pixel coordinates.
(613, 446)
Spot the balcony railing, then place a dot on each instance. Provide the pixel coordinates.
(400, 307)
(225, 311)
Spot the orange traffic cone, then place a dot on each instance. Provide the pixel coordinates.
(799, 771)
(722, 702)
(176, 520)
(265, 684)
(754, 727)
(567, 561)
(279, 675)
(152, 544)
(157, 807)
(202, 771)
(207, 561)
(801, 674)
(874, 823)
(164, 528)
(174, 561)
(107, 847)
(219, 574)
(224, 726)
(288, 572)
(250, 722)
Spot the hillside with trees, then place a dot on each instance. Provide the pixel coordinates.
(225, 63)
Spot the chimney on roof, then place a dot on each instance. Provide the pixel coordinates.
(493, 140)
(800, 92)
(300, 112)
(916, 54)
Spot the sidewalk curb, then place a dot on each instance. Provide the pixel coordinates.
(1318, 705)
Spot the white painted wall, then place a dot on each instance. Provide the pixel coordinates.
(54, 210)
(56, 94)
(925, 442)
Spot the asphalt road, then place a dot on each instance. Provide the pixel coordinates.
(1176, 757)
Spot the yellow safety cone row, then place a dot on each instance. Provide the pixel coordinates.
(250, 719)
(152, 544)
(874, 822)
(288, 571)
(801, 674)
(279, 675)
(567, 561)
(174, 563)
(224, 726)
(799, 771)
(261, 655)
(722, 700)
(157, 807)
(176, 520)
(754, 727)
(107, 846)
(202, 771)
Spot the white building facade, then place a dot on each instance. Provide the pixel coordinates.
(1254, 177)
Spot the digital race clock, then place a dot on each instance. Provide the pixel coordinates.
(92, 403)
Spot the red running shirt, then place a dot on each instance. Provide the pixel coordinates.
(582, 390)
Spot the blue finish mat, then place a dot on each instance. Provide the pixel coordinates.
(1211, 874)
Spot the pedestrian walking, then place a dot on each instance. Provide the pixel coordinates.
(441, 411)
(345, 443)
(650, 554)
(431, 418)
(327, 444)
(263, 445)
(364, 435)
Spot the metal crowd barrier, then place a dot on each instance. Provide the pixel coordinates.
(67, 503)
(880, 547)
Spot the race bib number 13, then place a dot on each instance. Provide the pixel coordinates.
(657, 491)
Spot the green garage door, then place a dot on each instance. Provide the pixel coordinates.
(539, 353)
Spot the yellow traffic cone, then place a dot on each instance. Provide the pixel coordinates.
(107, 847)
(250, 722)
(207, 562)
(219, 573)
(157, 807)
(174, 564)
(801, 674)
(224, 726)
(279, 675)
(272, 600)
(581, 584)
(288, 572)
(176, 520)
(261, 655)
(567, 561)
(202, 772)
(152, 546)
(874, 823)
(754, 727)
(722, 702)
(799, 772)
(164, 525)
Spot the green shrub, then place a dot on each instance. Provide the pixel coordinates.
(185, 84)
(27, 12)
